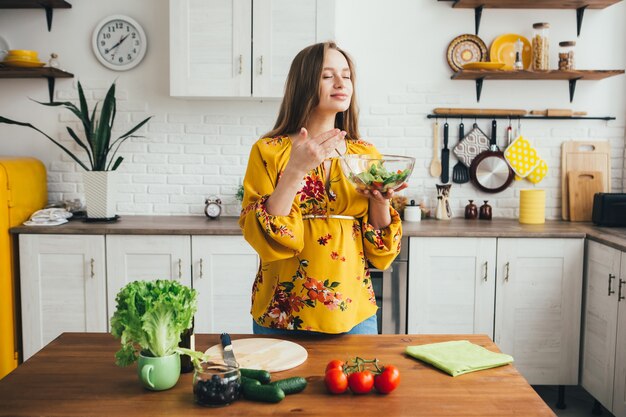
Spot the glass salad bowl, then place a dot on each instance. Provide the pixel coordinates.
(381, 173)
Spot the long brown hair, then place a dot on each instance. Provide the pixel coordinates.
(302, 93)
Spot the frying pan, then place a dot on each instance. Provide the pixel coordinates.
(489, 171)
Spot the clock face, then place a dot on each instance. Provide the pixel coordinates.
(213, 210)
(119, 43)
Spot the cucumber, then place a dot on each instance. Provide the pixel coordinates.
(266, 393)
(260, 375)
(291, 385)
(245, 380)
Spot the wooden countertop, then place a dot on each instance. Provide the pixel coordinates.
(75, 375)
(200, 225)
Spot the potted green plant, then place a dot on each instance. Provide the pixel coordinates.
(149, 319)
(99, 148)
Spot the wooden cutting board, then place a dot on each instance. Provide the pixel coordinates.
(582, 187)
(584, 156)
(272, 355)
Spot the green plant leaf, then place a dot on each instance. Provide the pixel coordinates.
(117, 163)
(84, 110)
(67, 151)
(80, 143)
(134, 129)
(103, 130)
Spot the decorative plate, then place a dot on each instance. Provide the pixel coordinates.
(483, 65)
(503, 50)
(465, 49)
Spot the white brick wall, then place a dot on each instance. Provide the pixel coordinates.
(185, 157)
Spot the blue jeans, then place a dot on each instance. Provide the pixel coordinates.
(367, 326)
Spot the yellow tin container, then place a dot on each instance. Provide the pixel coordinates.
(532, 205)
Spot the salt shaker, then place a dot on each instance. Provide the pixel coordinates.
(519, 49)
(53, 62)
(412, 212)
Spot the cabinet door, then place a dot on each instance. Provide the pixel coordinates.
(134, 258)
(451, 285)
(599, 321)
(619, 392)
(538, 307)
(63, 287)
(210, 48)
(281, 29)
(224, 268)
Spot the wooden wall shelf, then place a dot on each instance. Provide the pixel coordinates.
(571, 76)
(47, 5)
(51, 74)
(579, 5)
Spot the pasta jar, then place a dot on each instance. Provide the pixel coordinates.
(566, 55)
(541, 47)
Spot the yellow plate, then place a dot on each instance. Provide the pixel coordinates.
(21, 58)
(503, 50)
(483, 65)
(22, 52)
(19, 63)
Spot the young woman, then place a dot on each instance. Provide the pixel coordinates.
(315, 234)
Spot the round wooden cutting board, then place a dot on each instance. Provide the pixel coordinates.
(272, 355)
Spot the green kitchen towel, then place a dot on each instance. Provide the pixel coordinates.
(458, 357)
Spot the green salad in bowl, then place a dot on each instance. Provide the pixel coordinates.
(381, 173)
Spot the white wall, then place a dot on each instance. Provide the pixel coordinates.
(196, 148)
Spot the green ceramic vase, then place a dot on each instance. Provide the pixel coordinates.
(160, 373)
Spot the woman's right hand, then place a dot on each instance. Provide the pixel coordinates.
(309, 152)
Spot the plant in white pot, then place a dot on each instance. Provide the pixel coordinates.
(97, 144)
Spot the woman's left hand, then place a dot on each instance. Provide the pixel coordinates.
(382, 198)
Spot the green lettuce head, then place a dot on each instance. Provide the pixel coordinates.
(150, 316)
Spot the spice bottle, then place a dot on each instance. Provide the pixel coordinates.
(541, 46)
(519, 50)
(485, 211)
(471, 211)
(566, 55)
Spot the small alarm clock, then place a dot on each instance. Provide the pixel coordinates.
(213, 207)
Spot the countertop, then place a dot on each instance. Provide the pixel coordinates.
(75, 375)
(200, 225)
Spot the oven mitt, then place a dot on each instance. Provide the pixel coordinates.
(458, 357)
(472, 144)
(522, 157)
(538, 173)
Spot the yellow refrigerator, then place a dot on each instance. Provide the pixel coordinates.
(23, 190)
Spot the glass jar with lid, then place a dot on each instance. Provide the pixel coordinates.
(566, 55)
(216, 384)
(541, 46)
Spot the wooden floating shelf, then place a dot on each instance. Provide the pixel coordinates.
(571, 76)
(47, 5)
(579, 5)
(45, 72)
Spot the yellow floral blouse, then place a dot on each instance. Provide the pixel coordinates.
(314, 272)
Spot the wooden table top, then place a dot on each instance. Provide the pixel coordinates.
(75, 375)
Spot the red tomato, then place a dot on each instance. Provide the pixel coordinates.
(336, 381)
(334, 364)
(387, 380)
(361, 382)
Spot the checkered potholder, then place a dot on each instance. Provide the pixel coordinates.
(471, 146)
(522, 157)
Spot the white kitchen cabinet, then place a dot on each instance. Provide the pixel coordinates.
(148, 257)
(241, 48)
(63, 287)
(224, 268)
(538, 307)
(451, 285)
(604, 342)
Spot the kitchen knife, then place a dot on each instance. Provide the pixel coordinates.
(445, 156)
(229, 354)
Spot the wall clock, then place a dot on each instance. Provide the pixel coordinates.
(119, 42)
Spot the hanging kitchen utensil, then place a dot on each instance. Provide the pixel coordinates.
(472, 145)
(460, 173)
(435, 164)
(489, 171)
(445, 155)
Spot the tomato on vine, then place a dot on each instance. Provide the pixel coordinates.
(361, 382)
(388, 380)
(335, 364)
(336, 381)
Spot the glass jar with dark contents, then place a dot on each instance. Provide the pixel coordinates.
(216, 384)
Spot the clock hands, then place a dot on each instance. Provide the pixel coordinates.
(122, 39)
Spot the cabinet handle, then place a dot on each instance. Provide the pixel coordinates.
(611, 277)
(201, 268)
(619, 294)
(486, 270)
(261, 65)
(180, 268)
(93, 274)
(506, 273)
(240, 64)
